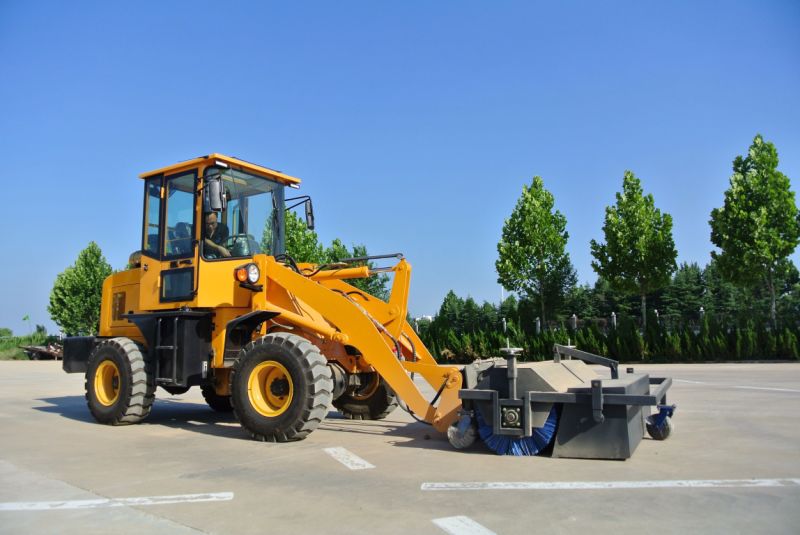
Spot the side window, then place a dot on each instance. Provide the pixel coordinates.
(152, 211)
(180, 216)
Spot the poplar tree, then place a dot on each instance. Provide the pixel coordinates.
(758, 226)
(532, 259)
(638, 256)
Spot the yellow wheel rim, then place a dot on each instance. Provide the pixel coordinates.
(270, 388)
(106, 383)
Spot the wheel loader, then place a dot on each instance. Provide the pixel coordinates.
(212, 300)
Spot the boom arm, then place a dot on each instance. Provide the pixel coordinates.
(372, 326)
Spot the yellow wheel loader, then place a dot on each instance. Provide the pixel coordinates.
(212, 300)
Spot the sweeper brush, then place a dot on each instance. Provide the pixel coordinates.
(562, 407)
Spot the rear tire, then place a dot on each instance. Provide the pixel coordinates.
(214, 400)
(120, 387)
(372, 402)
(281, 388)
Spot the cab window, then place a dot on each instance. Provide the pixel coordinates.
(247, 224)
(152, 213)
(180, 216)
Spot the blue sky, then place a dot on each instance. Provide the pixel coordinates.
(414, 125)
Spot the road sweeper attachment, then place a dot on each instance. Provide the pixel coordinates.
(212, 300)
(562, 407)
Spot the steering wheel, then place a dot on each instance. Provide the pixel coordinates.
(241, 245)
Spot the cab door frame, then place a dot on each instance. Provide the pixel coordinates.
(157, 265)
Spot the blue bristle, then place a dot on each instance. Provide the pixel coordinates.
(506, 445)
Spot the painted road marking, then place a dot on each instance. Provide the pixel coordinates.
(613, 485)
(461, 525)
(350, 460)
(116, 502)
(690, 382)
(766, 388)
(770, 389)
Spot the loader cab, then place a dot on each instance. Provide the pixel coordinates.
(201, 219)
(246, 219)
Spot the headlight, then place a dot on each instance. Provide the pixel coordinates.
(248, 273)
(252, 273)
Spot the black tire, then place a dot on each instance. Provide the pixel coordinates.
(375, 402)
(659, 432)
(120, 388)
(214, 400)
(300, 385)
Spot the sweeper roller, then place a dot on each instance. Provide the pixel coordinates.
(212, 300)
(562, 407)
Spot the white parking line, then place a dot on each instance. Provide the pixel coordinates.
(690, 382)
(613, 485)
(350, 460)
(745, 387)
(767, 388)
(461, 525)
(116, 502)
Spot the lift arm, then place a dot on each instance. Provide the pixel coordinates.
(353, 318)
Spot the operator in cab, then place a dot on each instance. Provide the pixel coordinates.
(215, 236)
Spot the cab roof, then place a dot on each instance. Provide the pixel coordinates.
(224, 161)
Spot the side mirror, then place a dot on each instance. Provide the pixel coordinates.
(214, 200)
(309, 214)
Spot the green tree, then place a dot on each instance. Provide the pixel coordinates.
(532, 260)
(302, 244)
(581, 301)
(789, 296)
(721, 298)
(639, 254)
(759, 225)
(376, 285)
(77, 292)
(5, 332)
(684, 295)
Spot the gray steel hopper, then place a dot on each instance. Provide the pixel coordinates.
(563, 407)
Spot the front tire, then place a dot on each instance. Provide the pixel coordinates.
(120, 388)
(281, 388)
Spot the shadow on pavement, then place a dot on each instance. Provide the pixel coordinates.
(199, 418)
(169, 412)
(400, 434)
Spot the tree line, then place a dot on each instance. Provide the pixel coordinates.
(744, 304)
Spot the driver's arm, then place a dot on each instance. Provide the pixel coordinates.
(215, 247)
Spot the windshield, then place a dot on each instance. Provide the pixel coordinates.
(251, 220)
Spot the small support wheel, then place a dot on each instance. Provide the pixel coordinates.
(215, 401)
(459, 441)
(659, 432)
(372, 401)
(281, 388)
(120, 388)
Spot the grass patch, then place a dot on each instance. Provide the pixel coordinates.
(13, 353)
(9, 345)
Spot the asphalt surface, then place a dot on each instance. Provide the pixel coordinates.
(736, 427)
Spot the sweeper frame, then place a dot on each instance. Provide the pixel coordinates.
(519, 409)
